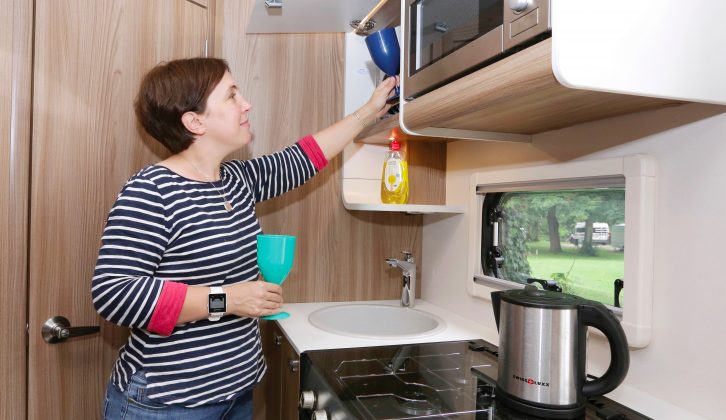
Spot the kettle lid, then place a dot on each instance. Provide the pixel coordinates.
(542, 299)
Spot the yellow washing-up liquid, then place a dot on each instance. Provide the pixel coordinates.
(394, 181)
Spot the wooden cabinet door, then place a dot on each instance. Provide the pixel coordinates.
(267, 394)
(89, 58)
(290, 390)
(277, 396)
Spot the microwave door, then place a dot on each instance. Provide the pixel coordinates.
(448, 37)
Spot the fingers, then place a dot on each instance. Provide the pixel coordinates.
(384, 90)
(271, 307)
(271, 287)
(389, 83)
(254, 299)
(387, 86)
(273, 297)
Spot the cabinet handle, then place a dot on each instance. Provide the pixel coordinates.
(294, 365)
(277, 339)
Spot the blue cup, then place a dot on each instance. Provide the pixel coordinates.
(385, 52)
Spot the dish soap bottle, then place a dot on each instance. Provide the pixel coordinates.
(394, 181)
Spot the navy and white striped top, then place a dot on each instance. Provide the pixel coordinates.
(165, 230)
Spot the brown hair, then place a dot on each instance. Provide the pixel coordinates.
(171, 89)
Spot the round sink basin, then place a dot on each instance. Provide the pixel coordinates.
(376, 321)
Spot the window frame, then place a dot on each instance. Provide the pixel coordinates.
(639, 172)
(492, 201)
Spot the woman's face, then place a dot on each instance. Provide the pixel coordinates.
(226, 116)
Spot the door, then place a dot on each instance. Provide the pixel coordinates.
(89, 57)
(16, 59)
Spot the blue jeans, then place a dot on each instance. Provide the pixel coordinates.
(135, 405)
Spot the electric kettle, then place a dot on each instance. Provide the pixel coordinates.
(542, 342)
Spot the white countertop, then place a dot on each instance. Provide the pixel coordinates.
(305, 337)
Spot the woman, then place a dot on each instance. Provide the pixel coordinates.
(178, 259)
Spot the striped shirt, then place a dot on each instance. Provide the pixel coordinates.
(165, 233)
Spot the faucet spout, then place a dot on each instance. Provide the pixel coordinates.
(405, 266)
(408, 267)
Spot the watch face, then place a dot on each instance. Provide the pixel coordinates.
(217, 303)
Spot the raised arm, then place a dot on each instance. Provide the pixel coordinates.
(334, 138)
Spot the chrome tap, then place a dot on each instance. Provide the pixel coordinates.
(408, 266)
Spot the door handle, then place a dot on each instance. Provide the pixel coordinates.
(58, 329)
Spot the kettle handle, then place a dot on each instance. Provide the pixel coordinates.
(596, 315)
(496, 306)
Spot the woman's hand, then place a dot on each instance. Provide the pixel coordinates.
(334, 138)
(254, 298)
(376, 106)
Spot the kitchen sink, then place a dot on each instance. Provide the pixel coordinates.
(376, 321)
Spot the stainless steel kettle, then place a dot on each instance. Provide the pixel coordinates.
(542, 342)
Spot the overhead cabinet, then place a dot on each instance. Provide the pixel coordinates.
(518, 94)
(603, 59)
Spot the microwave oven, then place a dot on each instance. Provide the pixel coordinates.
(447, 39)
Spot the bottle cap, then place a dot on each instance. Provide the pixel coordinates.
(395, 145)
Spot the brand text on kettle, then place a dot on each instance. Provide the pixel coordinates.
(530, 381)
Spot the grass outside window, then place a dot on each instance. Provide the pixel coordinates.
(559, 235)
(592, 276)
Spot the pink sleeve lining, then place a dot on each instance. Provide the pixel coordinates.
(168, 307)
(311, 148)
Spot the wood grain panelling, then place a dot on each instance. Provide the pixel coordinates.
(15, 107)
(89, 59)
(519, 94)
(295, 85)
(426, 172)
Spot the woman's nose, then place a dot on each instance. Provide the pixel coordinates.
(244, 105)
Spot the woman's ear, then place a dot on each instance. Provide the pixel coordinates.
(193, 122)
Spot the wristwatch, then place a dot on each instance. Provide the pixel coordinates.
(217, 303)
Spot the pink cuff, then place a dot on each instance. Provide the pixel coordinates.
(311, 148)
(168, 308)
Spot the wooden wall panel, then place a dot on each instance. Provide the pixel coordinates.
(15, 107)
(89, 60)
(426, 171)
(295, 85)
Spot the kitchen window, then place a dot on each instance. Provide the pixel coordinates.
(518, 217)
(558, 239)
